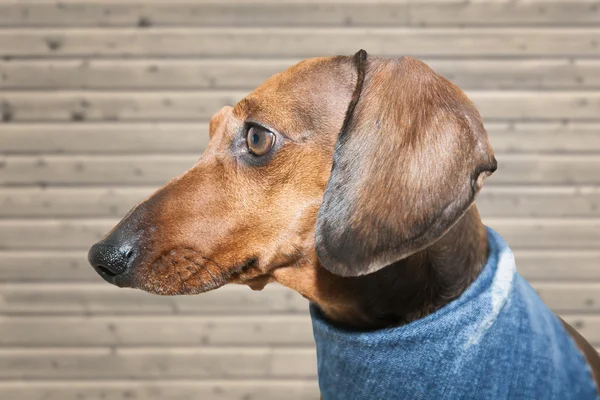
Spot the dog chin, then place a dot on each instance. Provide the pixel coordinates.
(176, 290)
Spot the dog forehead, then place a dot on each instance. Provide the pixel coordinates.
(308, 96)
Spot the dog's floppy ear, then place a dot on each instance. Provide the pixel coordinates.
(409, 161)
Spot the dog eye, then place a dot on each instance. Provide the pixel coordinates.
(260, 141)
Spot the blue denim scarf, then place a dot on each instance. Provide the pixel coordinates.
(496, 341)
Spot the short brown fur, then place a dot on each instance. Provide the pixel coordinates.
(415, 153)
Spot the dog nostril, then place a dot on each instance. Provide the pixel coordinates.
(105, 270)
(109, 260)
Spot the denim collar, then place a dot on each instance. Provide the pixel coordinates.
(497, 340)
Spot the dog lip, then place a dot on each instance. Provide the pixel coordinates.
(136, 278)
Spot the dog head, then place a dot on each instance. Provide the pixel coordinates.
(341, 163)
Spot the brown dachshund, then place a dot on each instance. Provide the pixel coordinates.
(295, 187)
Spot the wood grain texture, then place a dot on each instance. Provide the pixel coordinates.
(158, 363)
(539, 202)
(101, 299)
(210, 74)
(161, 389)
(294, 42)
(101, 101)
(559, 266)
(323, 13)
(84, 106)
(104, 138)
(150, 331)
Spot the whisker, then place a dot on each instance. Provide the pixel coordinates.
(184, 287)
(214, 262)
(197, 267)
(302, 254)
(201, 268)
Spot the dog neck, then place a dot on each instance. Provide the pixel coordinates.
(408, 289)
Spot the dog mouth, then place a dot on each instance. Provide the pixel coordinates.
(182, 272)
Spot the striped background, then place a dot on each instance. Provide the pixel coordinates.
(101, 101)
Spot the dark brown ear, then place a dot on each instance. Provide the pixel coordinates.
(409, 162)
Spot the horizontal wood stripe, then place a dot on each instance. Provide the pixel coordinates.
(311, 13)
(78, 106)
(292, 330)
(179, 389)
(103, 299)
(209, 74)
(158, 363)
(299, 43)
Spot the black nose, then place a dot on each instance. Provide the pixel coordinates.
(109, 260)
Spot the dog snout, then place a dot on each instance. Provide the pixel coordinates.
(110, 260)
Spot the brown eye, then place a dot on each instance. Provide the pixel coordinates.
(260, 141)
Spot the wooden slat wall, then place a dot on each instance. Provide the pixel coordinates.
(101, 101)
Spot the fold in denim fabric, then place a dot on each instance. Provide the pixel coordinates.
(498, 340)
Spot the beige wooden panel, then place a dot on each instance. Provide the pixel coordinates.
(161, 390)
(567, 202)
(72, 266)
(299, 42)
(551, 234)
(146, 74)
(202, 74)
(104, 299)
(502, 12)
(311, 13)
(73, 202)
(132, 170)
(520, 233)
(109, 138)
(588, 326)
(570, 297)
(147, 170)
(543, 137)
(157, 331)
(206, 13)
(47, 266)
(558, 266)
(165, 138)
(107, 106)
(493, 201)
(52, 234)
(159, 363)
(533, 105)
(200, 106)
(546, 169)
